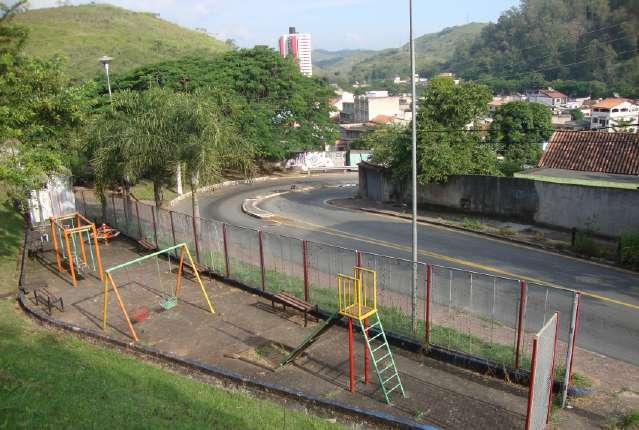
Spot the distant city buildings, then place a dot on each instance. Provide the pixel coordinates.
(297, 45)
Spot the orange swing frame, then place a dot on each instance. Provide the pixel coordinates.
(80, 225)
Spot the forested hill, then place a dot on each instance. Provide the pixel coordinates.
(433, 51)
(84, 33)
(581, 45)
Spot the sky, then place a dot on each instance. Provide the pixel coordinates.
(333, 24)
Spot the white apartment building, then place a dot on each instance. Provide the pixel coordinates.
(375, 103)
(549, 97)
(298, 45)
(612, 112)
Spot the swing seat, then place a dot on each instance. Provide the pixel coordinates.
(169, 302)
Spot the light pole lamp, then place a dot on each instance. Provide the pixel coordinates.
(105, 60)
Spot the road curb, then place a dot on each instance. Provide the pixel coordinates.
(422, 220)
(224, 374)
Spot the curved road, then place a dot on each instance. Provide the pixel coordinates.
(606, 327)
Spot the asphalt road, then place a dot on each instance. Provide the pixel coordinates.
(607, 327)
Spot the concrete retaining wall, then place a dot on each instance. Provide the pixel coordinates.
(608, 211)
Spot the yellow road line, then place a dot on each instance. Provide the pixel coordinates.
(343, 234)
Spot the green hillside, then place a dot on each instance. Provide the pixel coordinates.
(338, 63)
(82, 34)
(433, 50)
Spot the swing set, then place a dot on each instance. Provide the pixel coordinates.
(73, 235)
(170, 292)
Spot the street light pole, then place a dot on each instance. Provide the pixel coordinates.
(414, 173)
(105, 62)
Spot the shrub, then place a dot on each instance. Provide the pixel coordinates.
(629, 248)
(585, 244)
(472, 224)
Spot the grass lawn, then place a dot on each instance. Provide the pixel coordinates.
(143, 190)
(52, 380)
(10, 240)
(577, 181)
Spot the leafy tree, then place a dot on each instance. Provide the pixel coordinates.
(576, 114)
(551, 41)
(378, 136)
(275, 108)
(519, 128)
(40, 112)
(447, 143)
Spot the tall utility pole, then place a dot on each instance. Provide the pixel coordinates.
(105, 62)
(414, 163)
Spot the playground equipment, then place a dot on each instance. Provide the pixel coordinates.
(357, 300)
(170, 293)
(72, 236)
(106, 233)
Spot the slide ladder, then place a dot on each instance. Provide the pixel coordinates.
(382, 358)
(311, 338)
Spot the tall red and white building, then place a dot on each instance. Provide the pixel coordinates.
(298, 45)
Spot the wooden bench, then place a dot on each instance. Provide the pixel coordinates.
(287, 299)
(43, 296)
(146, 245)
(196, 266)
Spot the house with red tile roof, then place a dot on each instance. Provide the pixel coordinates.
(593, 151)
(615, 114)
(549, 97)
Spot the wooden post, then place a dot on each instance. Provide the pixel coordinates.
(263, 269)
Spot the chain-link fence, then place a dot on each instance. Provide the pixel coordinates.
(483, 315)
(542, 370)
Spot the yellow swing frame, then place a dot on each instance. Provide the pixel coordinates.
(110, 282)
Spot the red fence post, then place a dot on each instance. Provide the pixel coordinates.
(351, 365)
(305, 262)
(263, 269)
(197, 246)
(155, 227)
(366, 353)
(429, 273)
(172, 228)
(574, 337)
(520, 322)
(137, 215)
(226, 251)
(115, 214)
(358, 258)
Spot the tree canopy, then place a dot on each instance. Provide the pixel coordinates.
(275, 108)
(581, 46)
(448, 142)
(519, 128)
(39, 112)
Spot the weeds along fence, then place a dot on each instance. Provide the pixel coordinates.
(478, 314)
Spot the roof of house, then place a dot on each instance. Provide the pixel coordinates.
(554, 94)
(593, 151)
(609, 102)
(382, 119)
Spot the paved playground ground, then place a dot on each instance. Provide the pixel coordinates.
(248, 336)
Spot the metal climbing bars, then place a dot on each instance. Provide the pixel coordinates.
(72, 235)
